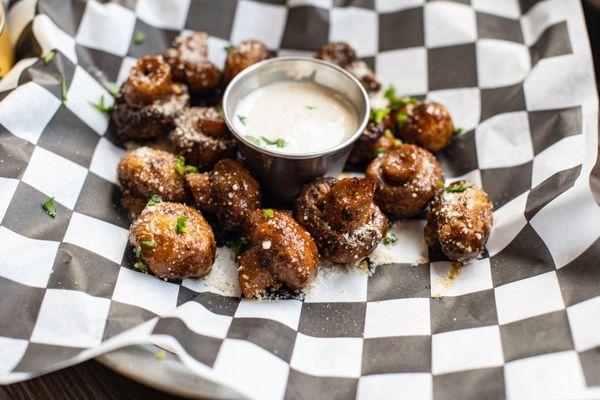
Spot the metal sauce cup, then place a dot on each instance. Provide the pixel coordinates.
(282, 175)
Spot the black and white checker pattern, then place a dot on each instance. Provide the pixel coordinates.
(522, 322)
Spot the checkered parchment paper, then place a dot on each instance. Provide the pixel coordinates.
(522, 322)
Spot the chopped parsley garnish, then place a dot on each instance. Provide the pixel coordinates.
(458, 188)
(149, 243)
(242, 119)
(181, 228)
(457, 131)
(380, 150)
(103, 108)
(252, 139)
(49, 208)
(397, 102)
(388, 134)
(401, 119)
(154, 200)
(140, 266)
(113, 88)
(454, 188)
(139, 37)
(238, 248)
(311, 107)
(397, 142)
(227, 48)
(279, 142)
(183, 169)
(390, 239)
(63, 87)
(378, 114)
(49, 57)
(268, 213)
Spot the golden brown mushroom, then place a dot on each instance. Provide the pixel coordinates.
(148, 101)
(427, 124)
(201, 136)
(189, 63)
(173, 241)
(243, 55)
(228, 191)
(407, 177)
(459, 221)
(343, 55)
(341, 217)
(145, 172)
(280, 252)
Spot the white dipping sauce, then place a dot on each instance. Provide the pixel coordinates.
(295, 117)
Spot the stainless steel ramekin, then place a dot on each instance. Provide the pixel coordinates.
(282, 175)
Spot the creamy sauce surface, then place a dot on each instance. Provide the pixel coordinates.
(295, 117)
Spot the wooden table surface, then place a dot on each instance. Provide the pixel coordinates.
(92, 380)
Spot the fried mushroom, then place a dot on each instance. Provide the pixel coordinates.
(343, 55)
(189, 63)
(280, 252)
(173, 241)
(148, 101)
(243, 55)
(459, 221)
(201, 136)
(407, 177)
(341, 217)
(145, 172)
(427, 124)
(228, 191)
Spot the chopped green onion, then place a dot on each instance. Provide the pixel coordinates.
(49, 208)
(457, 131)
(63, 87)
(268, 213)
(380, 150)
(227, 48)
(377, 115)
(183, 169)
(180, 165)
(401, 119)
(390, 239)
(113, 88)
(101, 107)
(397, 102)
(181, 228)
(388, 134)
(279, 142)
(139, 37)
(149, 243)
(140, 266)
(242, 119)
(154, 200)
(252, 139)
(49, 57)
(458, 188)
(138, 252)
(311, 107)
(238, 248)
